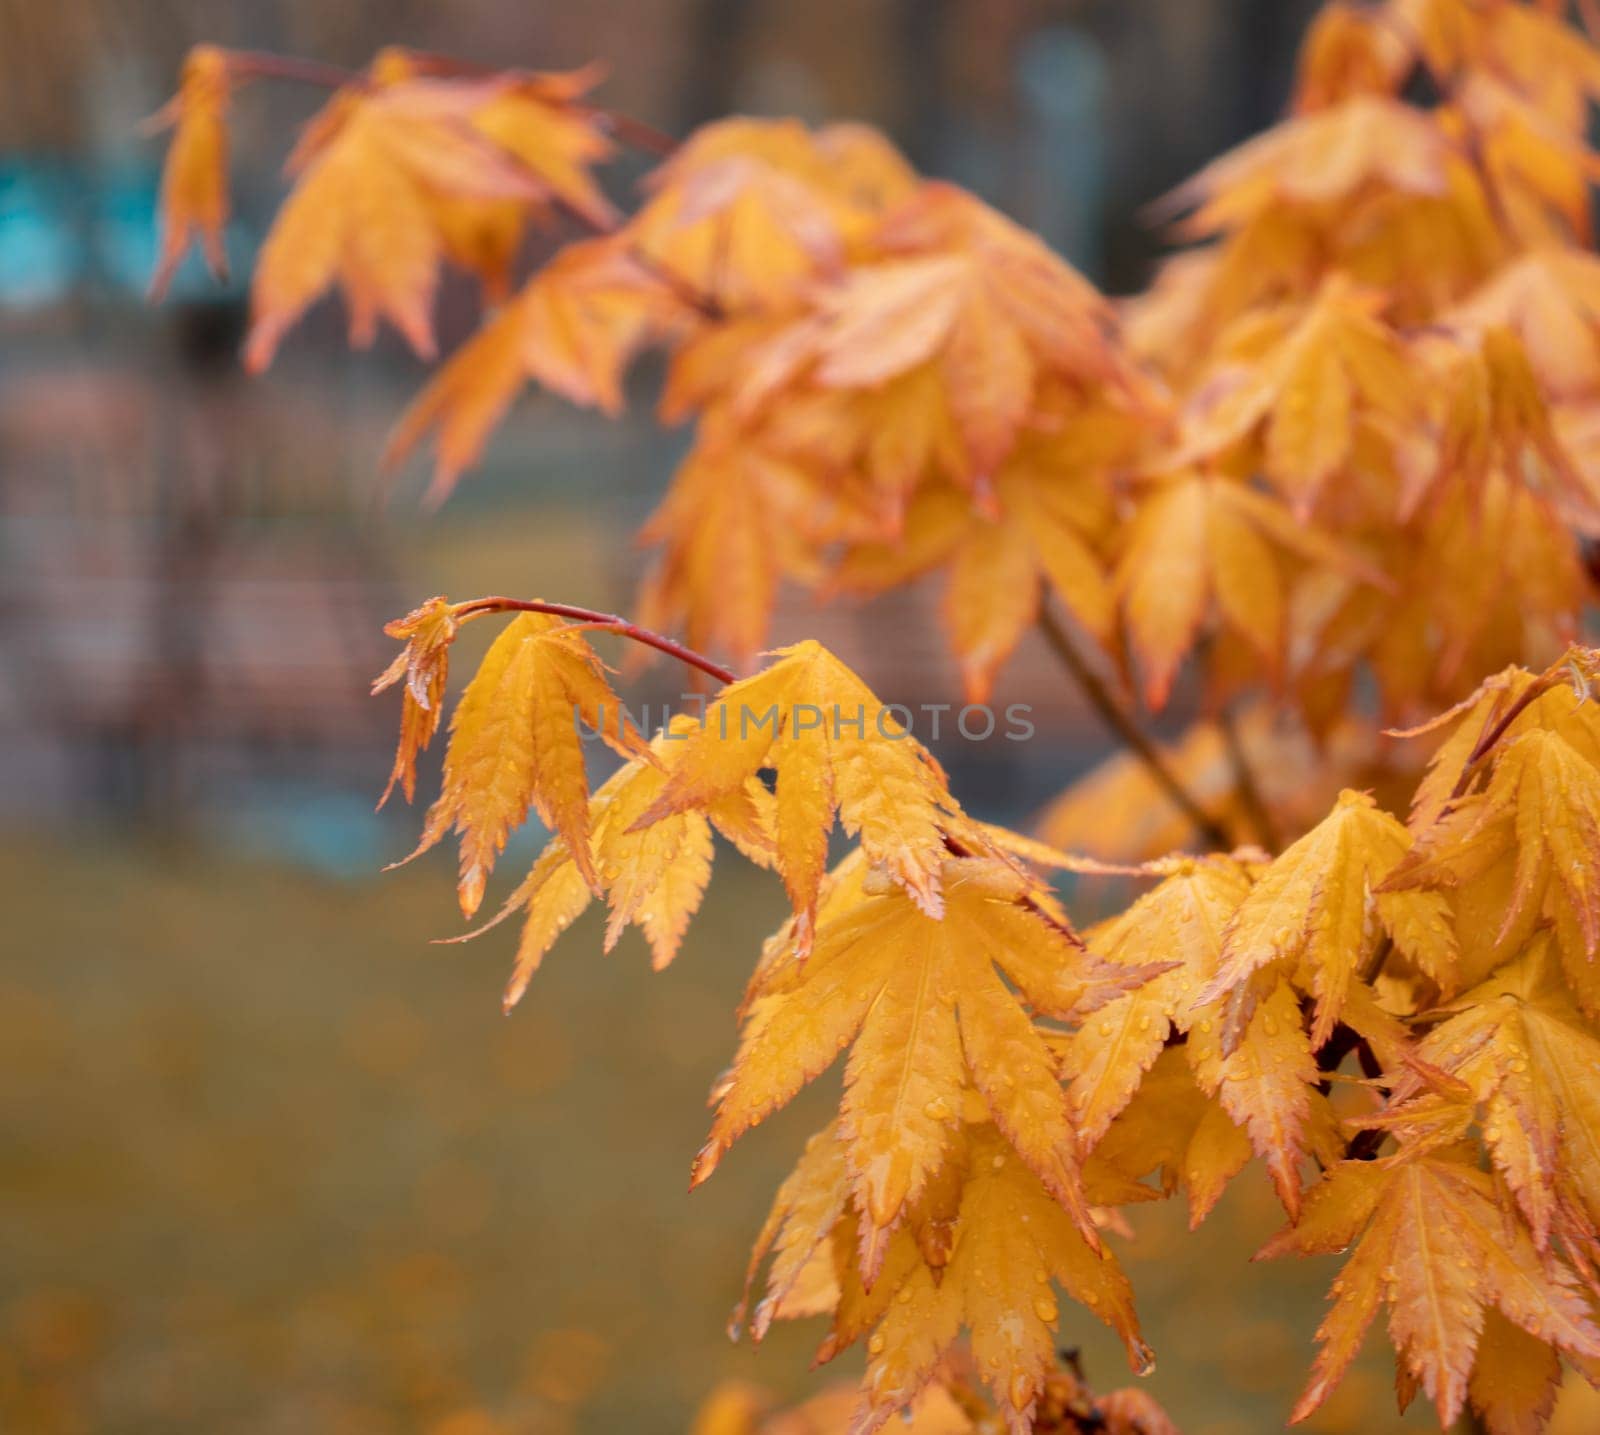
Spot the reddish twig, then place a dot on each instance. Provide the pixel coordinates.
(605, 622)
(637, 133)
(1480, 749)
(258, 64)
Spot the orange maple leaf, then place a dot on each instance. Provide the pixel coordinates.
(194, 184)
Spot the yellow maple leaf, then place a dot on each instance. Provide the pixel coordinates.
(1524, 850)
(1550, 299)
(1347, 52)
(960, 289)
(540, 118)
(1307, 381)
(1265, 1080)
(370, 171)
(424, 664)
(981, 1252)
(573, 328)
(747, 211)
(1433, 1244)
(739, 517)
(1042, 533)
(1315, 915)
(1010, 1241)
(1199, 539)
(920, 1001)
(1527, 1056)
(194, 182)
(1171, 1127)
(835, 749)
(1325, 156)
(515, 744)
(1182, 920)
(652, 877)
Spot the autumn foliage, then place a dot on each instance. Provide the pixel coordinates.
(1335, 475)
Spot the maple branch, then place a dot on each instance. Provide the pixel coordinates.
(1486, 741)
(1121, 722)
(637, 133)
(1255, 805)
(259, 64)
(683, 290)
(1375, 963)
(604, 622)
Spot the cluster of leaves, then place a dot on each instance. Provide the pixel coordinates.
(954, 1404)
(1320, 452)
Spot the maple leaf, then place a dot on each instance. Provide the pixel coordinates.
(1527, 47)
(747, 210)
(962, 290)
(1170, 1126)
(514, 744)
(739, 517)
(1348, 52)
(1326, 156)
(541, 120)
(194, 182)
(1196, 539)
(1182, 920)
(1010, 1241)
(835, 749)
(1538, 171)
(1315, 915)
(1502, 703)
(1551, 300)
(1524, 850)
(1432, 1242)
(1492, 417)
(1265, 1081)
(1041, 534)
(573, 328)
(981, 1252)
(371, 171)
(1526, 1055)
(652, 878)
(921, 1002)
(424, 664)
(1445, 623)
(1308, 380)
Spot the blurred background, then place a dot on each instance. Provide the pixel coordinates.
(270, 1161)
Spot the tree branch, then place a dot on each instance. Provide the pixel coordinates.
(1122, 723)
(636, 133)
(604, 622)
(258, 64)
(1486, 740)
(1255, 805)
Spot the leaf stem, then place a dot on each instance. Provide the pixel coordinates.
(605, 622)
(1491, 735)
(1122, 723)
(641, 136)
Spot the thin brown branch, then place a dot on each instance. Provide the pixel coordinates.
(604, 622)
(1122, 723)
(1492, 735)
(1244, 779)
(258, 64)
(1375, 963)
(637, 133)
